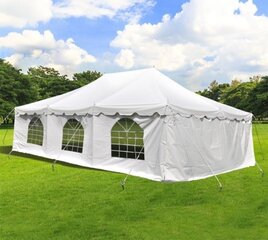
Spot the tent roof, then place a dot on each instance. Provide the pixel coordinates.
(144, 92)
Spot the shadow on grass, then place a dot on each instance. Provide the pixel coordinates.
(6, 126)
(7, 149)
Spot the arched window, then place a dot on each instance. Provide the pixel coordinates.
(35, 131)
(73, 136)
(127, 139)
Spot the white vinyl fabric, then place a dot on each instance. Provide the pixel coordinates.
(186, 136)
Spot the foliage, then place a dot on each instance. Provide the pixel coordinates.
(214, 90)
(16, 89)
(48, 82)
(43, 82)
(82, 203)
(258, 98)
(238, 95)
(249, 96)
(39, 83)
(86, 77)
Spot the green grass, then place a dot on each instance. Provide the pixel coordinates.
(79, 203)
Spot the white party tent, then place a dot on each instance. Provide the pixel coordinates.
(141, 123)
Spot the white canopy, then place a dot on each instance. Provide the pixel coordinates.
(184, 136)
(144, 92)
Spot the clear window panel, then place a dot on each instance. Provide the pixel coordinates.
(35, 132)
(73, 136)
(127, 140)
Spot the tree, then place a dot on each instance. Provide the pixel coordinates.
(237, 95)
(251, 96)
(258, 98)
(15, 88)
(214, 90)
(235, 82)
(48, 82)
(39, 83)
(86, 77)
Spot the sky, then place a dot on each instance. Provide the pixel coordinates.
(194, 42)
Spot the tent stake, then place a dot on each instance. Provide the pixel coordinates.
(219, 182)
(9, 154)
(262, 152)
(260, 169)
(123, 183)
(53, 165)
(257, 134)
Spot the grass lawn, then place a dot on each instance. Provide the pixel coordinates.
(79, 203)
